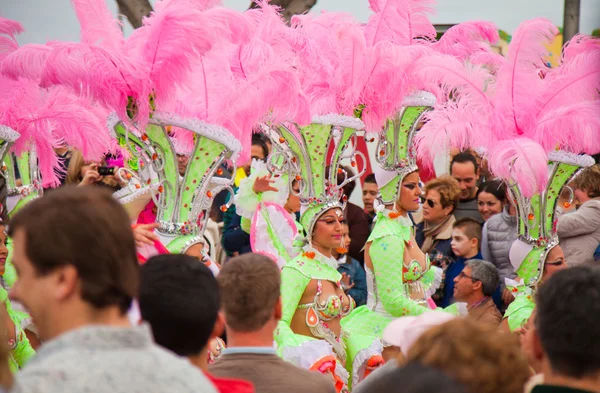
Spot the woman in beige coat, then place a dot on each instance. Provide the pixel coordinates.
(579, 232)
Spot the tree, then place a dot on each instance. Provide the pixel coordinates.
(135, 10)
(571, 19)
(291, 7)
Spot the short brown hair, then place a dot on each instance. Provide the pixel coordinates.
(87, 228)
(250, 288)
(589, 180)
(470, 227)
(484, 360)
(448, 188)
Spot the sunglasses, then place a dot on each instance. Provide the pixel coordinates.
(430, 202)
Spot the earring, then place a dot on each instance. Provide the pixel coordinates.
(341, 249)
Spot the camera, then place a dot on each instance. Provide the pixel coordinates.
(106, 170)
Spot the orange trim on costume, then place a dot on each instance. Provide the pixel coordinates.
(326, 365)
(374, 363)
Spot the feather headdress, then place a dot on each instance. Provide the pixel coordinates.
(49, 118)
(523, 100)
(52, 118)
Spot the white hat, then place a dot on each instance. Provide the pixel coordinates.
(405, 331)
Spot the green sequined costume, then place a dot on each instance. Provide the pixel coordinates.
(302, 154)
(518, 312)
(305, 351)
(389, 282)
(21, 351)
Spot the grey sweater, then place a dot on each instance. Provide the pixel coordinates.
(105, 359)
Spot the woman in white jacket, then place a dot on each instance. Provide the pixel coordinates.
(579, 232)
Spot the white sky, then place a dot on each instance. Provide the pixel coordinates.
(55, 20)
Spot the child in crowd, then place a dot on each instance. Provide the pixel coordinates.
(466, 240)
(354, 279)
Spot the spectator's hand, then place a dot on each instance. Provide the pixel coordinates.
(263, 184)
(91, 176)
(507, 297)
(144, 234)
(347, 283)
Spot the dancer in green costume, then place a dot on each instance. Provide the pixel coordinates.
(536, 254)
(18, 343)
(309, 333)
(20, 348)
(400, 279)
(183, 202)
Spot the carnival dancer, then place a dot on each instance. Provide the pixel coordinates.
(536, 254)
(400, 279)
(518, 109)
(16, 339)
(314, 303)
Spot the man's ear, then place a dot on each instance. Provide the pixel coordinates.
(536, 345)
(477, 285)
(278, 312)
(474, 243)
(219, 326)
(66, 282)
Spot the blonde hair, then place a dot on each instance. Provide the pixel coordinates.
(74, 169)
(483, 359)
(447, 187)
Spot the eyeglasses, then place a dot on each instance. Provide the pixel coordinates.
(430, 202)
(463, 275)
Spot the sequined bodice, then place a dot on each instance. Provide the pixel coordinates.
(327, 309)
(413, 272)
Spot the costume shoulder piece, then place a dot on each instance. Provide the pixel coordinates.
(315, 266)
(389, 223)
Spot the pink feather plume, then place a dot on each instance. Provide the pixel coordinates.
(520, 160)
(352, 57)
(520, 79)
(462, 117)
(445, 75)
(385, 85)
(27, 61)
(98, 75)
(574, 81)
(572, 127)
(400, 21)
(98, 26)
(8, 30)
(579, 44)
(468, 38)
(50, 118)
